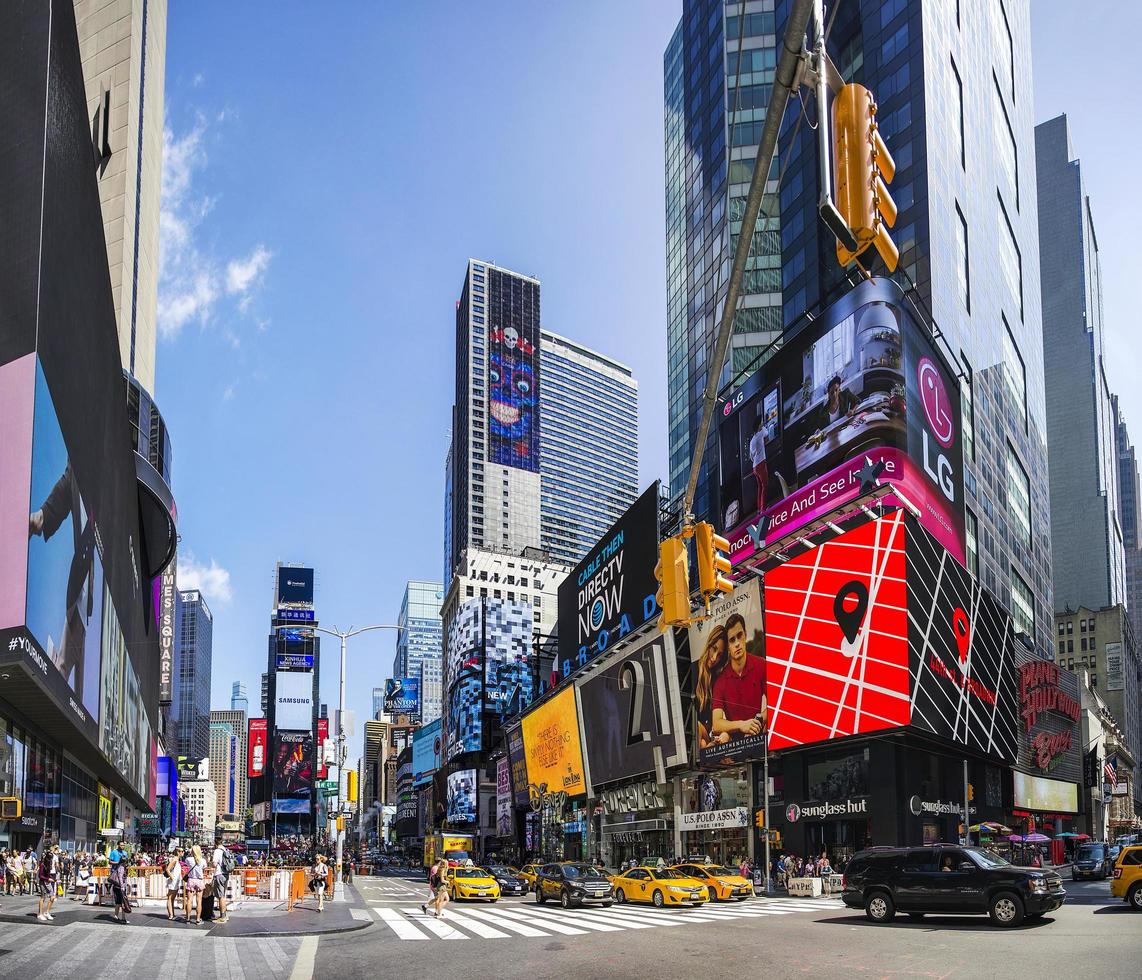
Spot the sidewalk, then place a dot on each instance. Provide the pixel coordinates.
(247, 918)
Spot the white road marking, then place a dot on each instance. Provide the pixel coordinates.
(399, 924)
(306, 957)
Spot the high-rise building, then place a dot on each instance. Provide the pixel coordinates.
(238, 699)
(378, 703)
(1130, 517)
(201, 800)
(420, 643)
(1086, 535)
(588, 455)
(123, 47)
(229, 769)
(190, 706)
(447, 566)
(953, 88)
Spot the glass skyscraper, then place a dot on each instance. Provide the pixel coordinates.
(420, 644)
(190, 693)
(588, 457)
(953, 88)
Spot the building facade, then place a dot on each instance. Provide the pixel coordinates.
(588, 456)
(420, 643)
(239, 701)
(190, 707)
(229, 772)
(1130, 516)
(1086, 532)
(201, 802)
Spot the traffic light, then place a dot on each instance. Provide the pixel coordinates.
(340, 824)
(775, 838)
(351, 789)
(673, 574)
(971, 792)
(759, 819)
(711, 560)
(11, 808)
(864, 169)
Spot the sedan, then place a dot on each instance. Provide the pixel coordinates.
(722, 883)
(573, 884)
(529, 872)
(659, 888)
(472, 883)
(509, 881)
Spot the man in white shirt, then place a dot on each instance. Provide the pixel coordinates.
(218, 860)
(759, 463)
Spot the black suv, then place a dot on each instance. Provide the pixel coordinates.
(947, 879)
(573, 884)
(1093, 860)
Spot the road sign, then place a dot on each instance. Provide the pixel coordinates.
(327, 786)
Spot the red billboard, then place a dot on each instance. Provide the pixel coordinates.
(322, 735)
(256, 753)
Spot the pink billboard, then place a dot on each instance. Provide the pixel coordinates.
(17, 400)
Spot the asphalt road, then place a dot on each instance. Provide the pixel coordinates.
(1091, 936)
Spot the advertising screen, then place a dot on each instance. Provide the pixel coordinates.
(465, 723)
(322, 738)
(1049, 718)
(552, 747)
(611, 591)
(256, 747)
(518, 760)
(166, 633)
(632, 712)
(462, 796)
(513, 376)
(402, 695)
(836, 628)
(503, 797)
(732, 713)
(863, 380)
(295, 585)
(426, 757)
(1040, 793)
(17, 401)
(493, 636)
(293, 693)
(294, 765)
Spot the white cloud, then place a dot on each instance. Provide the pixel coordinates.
(212, 580)
(193, 280)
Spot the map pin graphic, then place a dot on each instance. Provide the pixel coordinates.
(961, 626)
(849, 620)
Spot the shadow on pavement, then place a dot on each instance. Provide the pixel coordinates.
(955, 923)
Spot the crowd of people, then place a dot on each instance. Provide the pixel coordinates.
(786, 866)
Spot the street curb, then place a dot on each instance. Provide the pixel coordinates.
(340, 930)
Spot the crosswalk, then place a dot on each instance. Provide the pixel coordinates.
(530, 921)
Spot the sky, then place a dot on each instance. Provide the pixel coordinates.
(324, 185)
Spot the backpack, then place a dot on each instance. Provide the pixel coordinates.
(228, 863)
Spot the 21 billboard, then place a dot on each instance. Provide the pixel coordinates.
(610, 593)
(862, 382)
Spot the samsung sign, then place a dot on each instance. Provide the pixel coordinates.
(293, 699)
(611, 592)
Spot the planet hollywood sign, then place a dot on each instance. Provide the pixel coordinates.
(1040, 694)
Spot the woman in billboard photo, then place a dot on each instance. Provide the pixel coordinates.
(713, 659)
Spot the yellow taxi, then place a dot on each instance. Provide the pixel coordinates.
(1127, 880)
(464, 883)
(659, 887)
(723, 884)
(528, 873)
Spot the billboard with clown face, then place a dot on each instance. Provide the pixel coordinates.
(513, 371)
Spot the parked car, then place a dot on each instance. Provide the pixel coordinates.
(509, 881)
(1127, 880)
(1092, 860)
(944, 879)
(573, 884)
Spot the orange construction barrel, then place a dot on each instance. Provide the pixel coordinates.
(251, 882)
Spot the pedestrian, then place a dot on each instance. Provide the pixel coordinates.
(47, 880)
(223, 862)
(173, 872)
(119, 889)
(432, 879)
(195, 885)
(319, 879)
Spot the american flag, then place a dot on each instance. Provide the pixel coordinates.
(1110, 768)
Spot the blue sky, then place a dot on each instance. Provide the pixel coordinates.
(324, 185)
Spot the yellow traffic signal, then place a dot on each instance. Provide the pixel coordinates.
(351, 790)
(864, 169)
(759, 819)
(776, 839)
(673, 574)
(11, 808)
(971, 792)
(711, 560)
(340, 824)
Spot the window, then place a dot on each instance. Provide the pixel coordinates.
(1007, 52)
(958, 108)
(1071, 626)
(971, 530)
(1005, 146)
(1018, 498)
(1082, 626)
(1082, 645)
(1094, 680)
(1010, 260)
(1071, 649)
(1014, 375)
(962, 245)
(1022, 605)
(1061, 630)
(967, 407)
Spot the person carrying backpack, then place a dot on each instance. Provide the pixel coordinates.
(224, 865)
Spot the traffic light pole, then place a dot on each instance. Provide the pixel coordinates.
(765, 784)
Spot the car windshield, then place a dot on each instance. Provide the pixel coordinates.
(470, 873)
(581, 871)
(667, 874)
(1092, 852)
(498, 869)
(716, 870)
(988, 859)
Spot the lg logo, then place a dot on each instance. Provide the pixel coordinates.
(937, 410)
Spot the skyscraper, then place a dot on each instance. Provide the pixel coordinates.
(1086, 533)
(231, 781)
(190, 707)
(588, 455)
(1130, 516)
(420, 643)
(238, 699)
(123, 47)
(953, 88)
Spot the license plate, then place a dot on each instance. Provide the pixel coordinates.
(600, 894)
(481, 894)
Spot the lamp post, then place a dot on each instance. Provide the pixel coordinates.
(342, 751)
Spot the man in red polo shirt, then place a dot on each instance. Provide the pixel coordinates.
(739, 691)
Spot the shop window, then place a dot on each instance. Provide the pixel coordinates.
(837, 777)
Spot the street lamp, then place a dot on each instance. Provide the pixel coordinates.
(342, 751)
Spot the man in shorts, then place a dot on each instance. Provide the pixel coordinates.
(221, 877)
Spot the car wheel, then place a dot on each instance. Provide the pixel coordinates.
(1006, 909)
(606, 905)
(657, 899)
(539, 896)
(565, 898)
(879, 907)
(620, 896)
(1134, 897)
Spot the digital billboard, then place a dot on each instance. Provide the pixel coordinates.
(294, 661)
(1048, 718)
(256, 739)
(465, 722)
(863, 381)
(402, 695)
(552, 747)
(632, 713)
(166, 633)
(1040, 793)
(293, 772)
(518, 760)
(730, 675)
(295, 585)
(503, 797)
(513, 377)
(426, 754)
(293, 698)
(322, 738)
(462, 796)
(610, 593)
